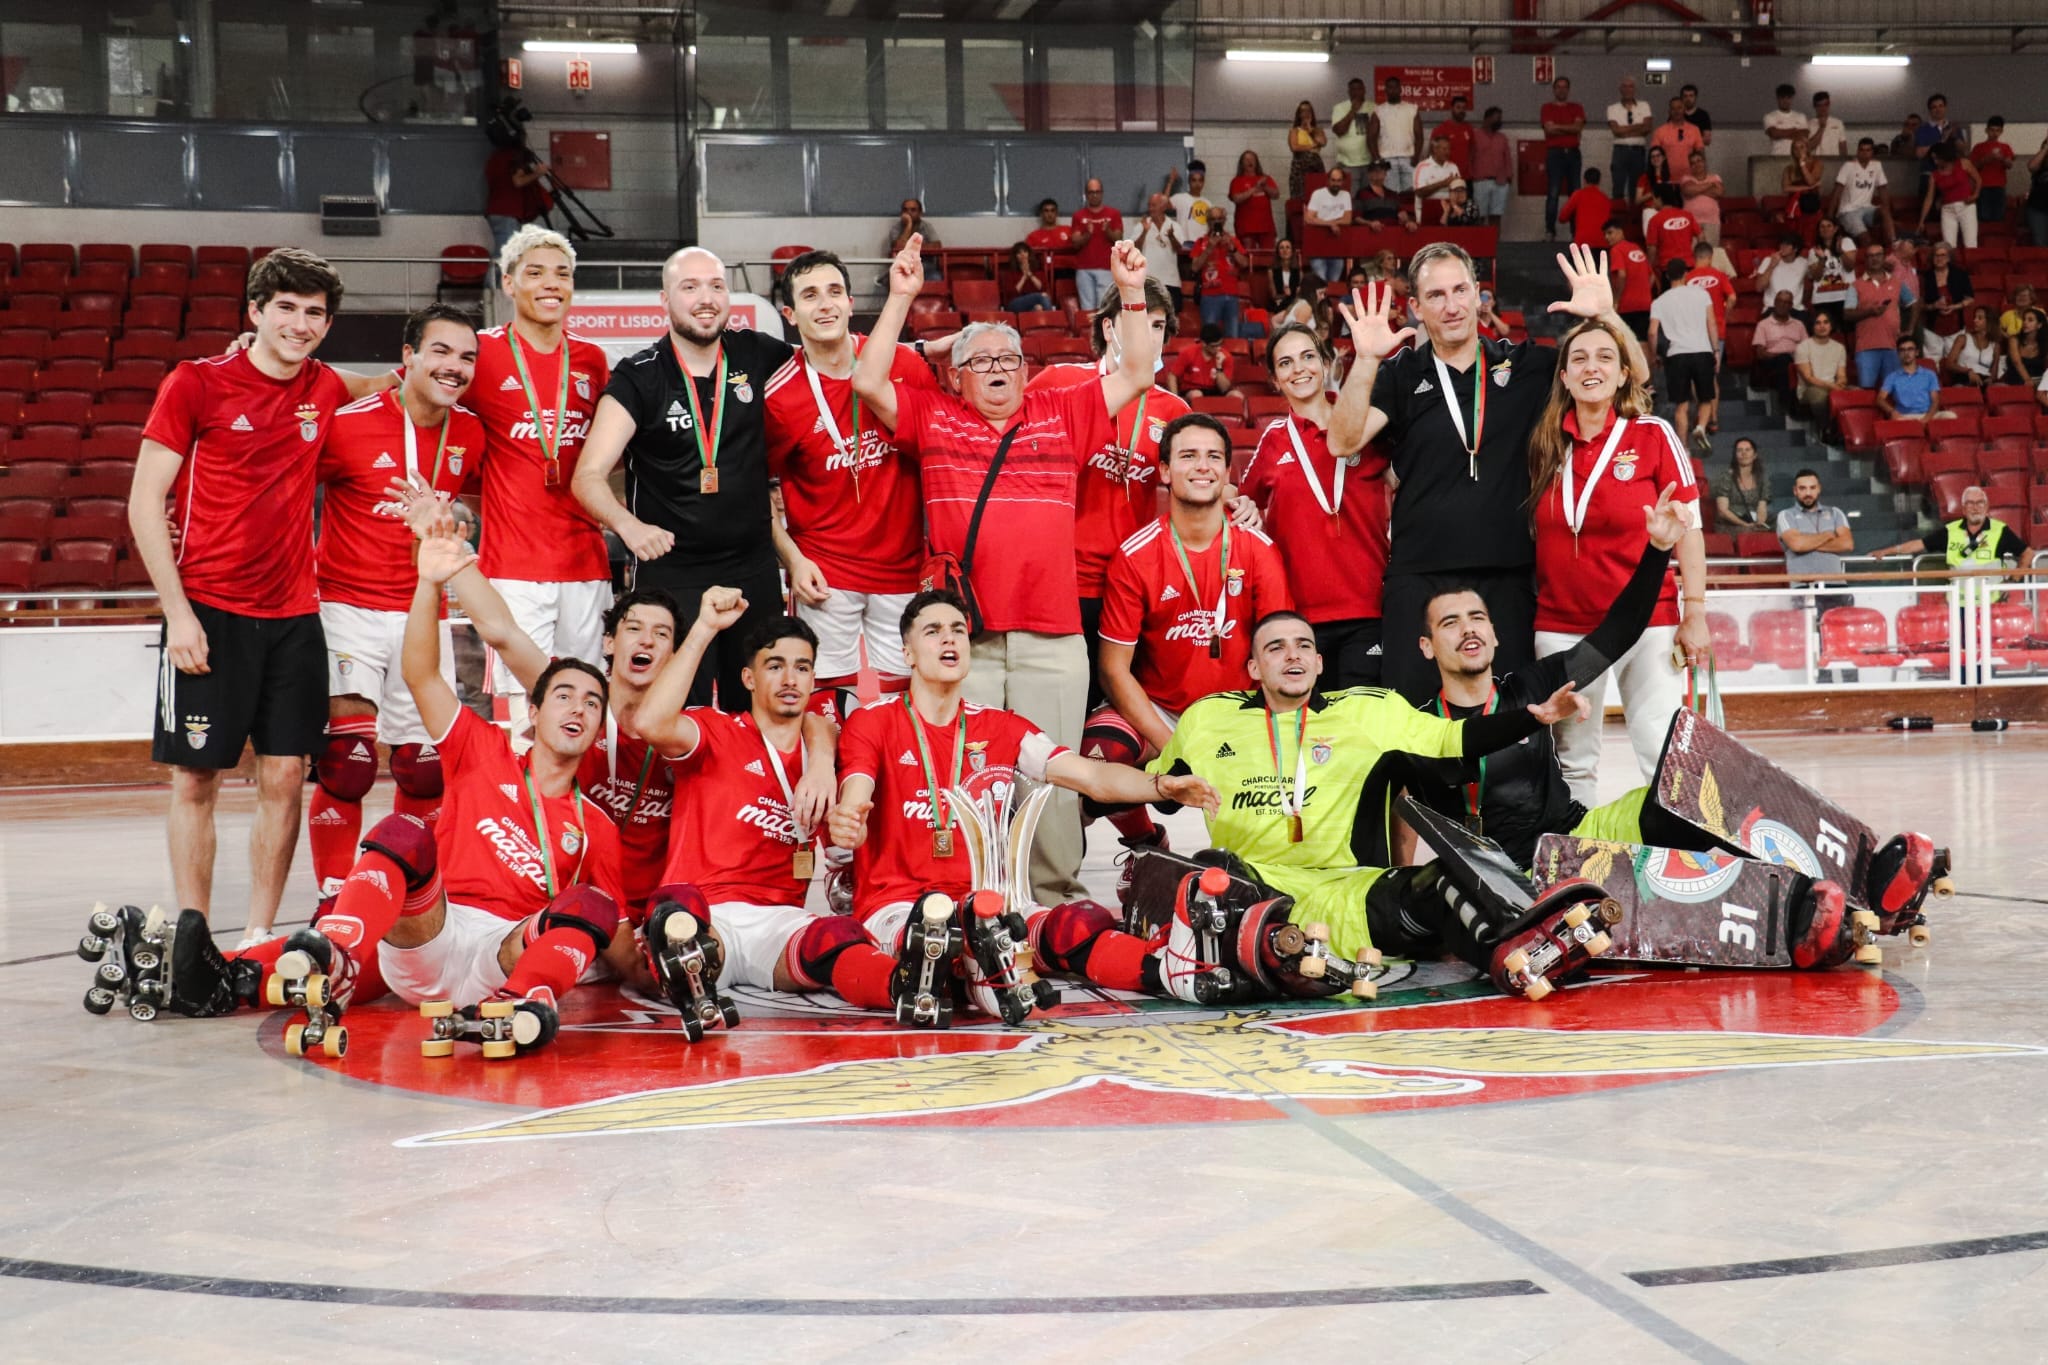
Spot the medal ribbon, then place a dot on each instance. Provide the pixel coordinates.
(1575, 511)
(611, 758)
(412, 449)
(707, 454)
(839, 443)
(803, 761)
(1335, 502)
(1194, 589)
(1443, 378)
(931, 772)
(548, 434)
(540, 829)
(1475, 792)
(1300, 757)
(1127, 449)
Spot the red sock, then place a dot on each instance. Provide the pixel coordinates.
(333, 827)
(1133, 822)
(861, 976)
(554, 960)
(1117, 960)
(426, 808)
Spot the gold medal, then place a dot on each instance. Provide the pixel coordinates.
(707, 482)
(1294, 829)
(551, 474)
(803, 864)
(942, 843)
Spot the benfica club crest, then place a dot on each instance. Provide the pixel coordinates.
(455, 454)
(309, 422)
(572, 839)
(582, 383)
(977, 754)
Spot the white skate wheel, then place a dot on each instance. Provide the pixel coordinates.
(1919, 935)
(1537, 989)
(680, 929)
(525, 1027)
(295, 964)
(938, 909)
(1314, 967)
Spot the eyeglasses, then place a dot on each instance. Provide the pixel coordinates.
(1006, 362)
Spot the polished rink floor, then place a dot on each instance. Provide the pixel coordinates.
(1840, 1166)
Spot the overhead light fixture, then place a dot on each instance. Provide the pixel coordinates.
(550, 45)
(1012, 10)
(1263, 54)
(1861, 59)
(1657, 64)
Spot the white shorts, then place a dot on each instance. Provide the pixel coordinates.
(885, 926)
(564, 621)
(756, 939)
(362, 661)
(844, 618)
(460, 963)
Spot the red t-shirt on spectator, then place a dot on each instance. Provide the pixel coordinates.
(534, 533)
(1335, 566)
(1107, 225)
(1626, 256)
(365, 550)
(1567, 112)
(1670, 237)
(1050, 238)
(1219, 270)
(243, 498)
(1587, 210)
(1990, 169)
(1150, 606)
(1194, 369)
(1254, 217)
(1577, 582)
(1115, 495)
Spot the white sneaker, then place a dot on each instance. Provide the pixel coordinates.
(252, 937)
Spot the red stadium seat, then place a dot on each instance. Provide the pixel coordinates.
(1903, 461)
(2005, 453)
(34, 478)
(976, 296)
(1046, 320)
(1264, 407)
(1850, 636)
(17, 375)
(1229, 406)
(1998, 424)
(1958, 396)
(159, 282)
(1730, 654)
(214, 314)
(233, 257)
(1999, 395)
(1719, 544)
(132, 574)
(90, 344)
(26, 518)
(160, 313)
(161, 347)
(1923, 628)
(1759, 545)
(165, 256)
(1946, 493)
(52, 447)
(18, 564)
(107, 253)
(65, 411)
(219, 281)
(85, 572)
(1779, 638)
(134, 374)
(1969, 422)
(17, 343)
(465, 267)
(1858, 426)
(1943, 458)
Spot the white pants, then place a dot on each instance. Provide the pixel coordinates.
(564, 621)
(459, 964)
(885, 926)
(1652, 690)
(756, 939)
(362, 661)
(1959, 225)
(844, 619)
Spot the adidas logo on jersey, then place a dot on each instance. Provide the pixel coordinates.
(909, 759)
(756, 769)
(1170, 594)
(1425, 387)
(242, 424)
(511, 384)
(675, 408)
(511, 792)
(1224, 750)
(384, 461)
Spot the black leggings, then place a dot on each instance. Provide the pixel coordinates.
(726, 657)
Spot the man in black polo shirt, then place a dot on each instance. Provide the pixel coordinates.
(696, 513)
(1460, 450)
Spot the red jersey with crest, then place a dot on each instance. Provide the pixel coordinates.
(734, 834)
(897, 862)
(1118, 489)
(1336, 565)
(533, 532)
(490, 856)
(1579, 576)
(863, 527)
(633, 784)
(1151, 606)
(243, 498)
(365, 550)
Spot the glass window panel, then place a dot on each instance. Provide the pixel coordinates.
(828, 82)
(992, 82)
(735, 82)
(43, 66)
(341, 64)
(1081, 88)
(916, 70)
(141, 76)
(252, 66)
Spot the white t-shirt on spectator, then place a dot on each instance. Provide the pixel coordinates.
(1860, 185)
(1161, 249)
(1192, 229)
(1627, 116)
(1681, 315)
(1328, 203)
(1829, 139)
(1431, 173)
(1397, 129)
(1784, 277)
(1781, 124)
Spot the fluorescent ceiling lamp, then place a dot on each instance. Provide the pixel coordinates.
(1261, 54)
(1657, 64)
(1861, 59)
(549, 45)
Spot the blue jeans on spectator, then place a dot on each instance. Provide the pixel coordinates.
(1872, 366)
(1225, 311)
(1561, 169)
(1330, 268)
(1091, 285)
(1400, 174)
(1625, 165)
(1991, 204)
(1031, 303)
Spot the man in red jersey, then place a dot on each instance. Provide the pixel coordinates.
(417, 432)
(1097, 228)
(854, 538)
(235, 441)
(1629, 267)
(1030, 649)
(898, 760)
(537, 386)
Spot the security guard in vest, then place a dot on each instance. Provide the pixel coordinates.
(1974, 540)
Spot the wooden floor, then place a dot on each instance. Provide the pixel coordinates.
(1844, 1166)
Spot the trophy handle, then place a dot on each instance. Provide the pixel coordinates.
(984, 848)
(1022, 833)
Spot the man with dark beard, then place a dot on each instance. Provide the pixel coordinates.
(689, 417)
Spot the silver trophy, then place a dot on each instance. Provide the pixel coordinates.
(999, 826)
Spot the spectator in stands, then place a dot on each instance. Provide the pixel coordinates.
(514, 192)
(1051, 234)
(1587, 211)
(1777, 337)
(1702, 190)
(1157, 237)
(1396, 133)
(1650, 187)
(2037, 195)
(1858, 201)
(1785, 272)
(1707, 276)
(1973, 357)
(1563, 122)
(1954, 185)
(1696, 116)
(1782, 122)
(1252, 193)
(1910, 392)
(1435, 174)
(1677, 137)
(1458, 130)
(1201, 370)
(1821, 364)
(1350, 131)
(1305, 141)
(1490, 325)
(1825, 134)
(1290, 278)
(910, 221)
(1190, 205)
(1993, 158)
(1742, 495)
(1329, 207)
(1672, 234)
(1097, 228)
(1946, 298)
(1815, 535)
(1830, 262)
(1802, 182)
(1683, 320)
(1376, 204)
(1934, 131)
(2017, 304)
(1459, 210)
(1876, 306)
(1629, 119)
(1217, 264)
(1032, 294)
(1493, 167)
(1902, 141)
(2026, 355)
(1630, 271)
(1975, 539)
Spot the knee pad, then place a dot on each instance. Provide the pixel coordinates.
(819, 945)
(1062, 936)
(1111, 738)
(670, 897)
(347, 766)
(416, 769)
(406, 840)
(584, 908)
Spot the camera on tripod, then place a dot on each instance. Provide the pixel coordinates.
(506, 124)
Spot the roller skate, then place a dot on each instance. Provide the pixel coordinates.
(999, 976)
(1902, 875)
(505, 1025)
(1556, 939)
(314, 974)
(129, 944)
(927, 963)
(686, 961)
(1127, 872)
(1226, 947)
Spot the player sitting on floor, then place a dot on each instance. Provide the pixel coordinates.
(899, 760)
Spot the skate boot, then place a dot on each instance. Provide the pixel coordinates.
(1225, 947)
(1825, 932)
(687, 961)
(1901, 876)
(1554, 940)
(1127, 871)
(505, 1025)
(999, 976)
(130, 946)
(316, 975)
(202, 983)
(927, 962)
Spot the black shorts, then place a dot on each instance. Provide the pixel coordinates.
(266, 685)
(1351, 652)
(1689, 377)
